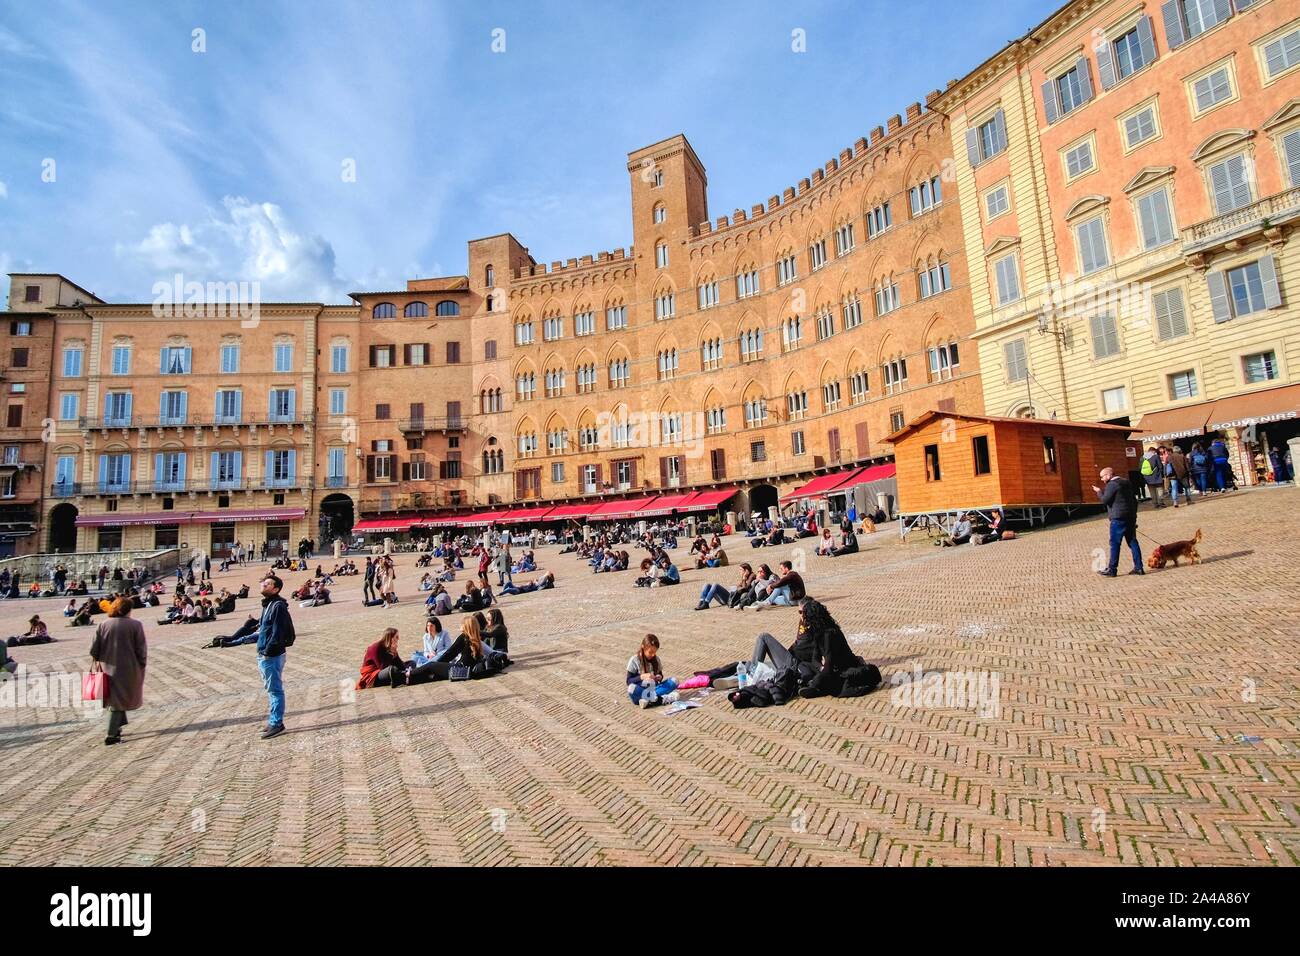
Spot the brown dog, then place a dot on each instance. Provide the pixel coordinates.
(1165, 553)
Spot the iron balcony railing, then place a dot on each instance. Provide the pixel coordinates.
(455, 423)
(190, 421)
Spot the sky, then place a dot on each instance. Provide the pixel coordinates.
(320, 147)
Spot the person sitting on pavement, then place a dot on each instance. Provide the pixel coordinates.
(960, 534)
(787, 591)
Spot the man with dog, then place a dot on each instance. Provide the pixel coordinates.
(1121, 507)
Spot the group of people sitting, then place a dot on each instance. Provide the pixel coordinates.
(709, 554)
(757, 590)
(604, 561)
(974, 528)
(186, 610)
(314, 592)
(832, 547)
(37, 633)
(818, 663)
(658, 571)
(480, 650)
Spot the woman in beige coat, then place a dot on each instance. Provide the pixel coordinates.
(119, 646)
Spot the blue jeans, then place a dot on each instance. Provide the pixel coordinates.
(714, 592)
(780, 597)
(1202, 481)
(1178, 487)
(1123, 531)
(272, 669)
(1221, 473)
(637, 691)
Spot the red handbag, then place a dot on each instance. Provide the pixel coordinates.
(94, 686)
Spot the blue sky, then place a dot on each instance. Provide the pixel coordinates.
(228, 164)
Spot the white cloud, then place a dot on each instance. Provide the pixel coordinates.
(244, 241)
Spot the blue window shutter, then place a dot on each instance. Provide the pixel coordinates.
(1222, 10)
(1219, 296)
(103, 469)
(268, 471)
(189, 354)
(127, 474)
(293, 402)
(216, 409)
(239, 469)
(293, 463)
(128, 408)
(1085, 78)
(1146, 41)
(270, 404)
(181, 468)
(1268, 278)
(1106, 65)
(158, 468)
(185, 406)
(213, 470)
(973, 146)
(1175, 35)
(1000, 129)
(1050, 108)
(162, 360)
(239, 405)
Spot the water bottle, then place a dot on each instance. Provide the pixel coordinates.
(742, 674)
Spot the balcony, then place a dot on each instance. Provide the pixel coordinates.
(65, 489)
(335, 481)
(1261, 217)
(454, 424)
(105, 423)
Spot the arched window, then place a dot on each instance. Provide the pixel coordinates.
(416, 310)
(751, 345)
(384, 310)
(661, 255)
(660, 213)
(447, 307)
(489, 276)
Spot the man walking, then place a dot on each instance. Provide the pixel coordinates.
(368, 588)
(1179, 474)
(1121, 508)
(274, 636)
(503, 567)
(1153, 475)
(1219, 456)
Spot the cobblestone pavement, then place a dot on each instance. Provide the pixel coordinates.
(1143, 721)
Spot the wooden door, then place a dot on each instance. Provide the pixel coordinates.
(1071, 486)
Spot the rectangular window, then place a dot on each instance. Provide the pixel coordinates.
(175, 360)
(758, 451)
(1078, 160)
(228, 407)
(1212, 89)
(1073, 88)
(172, 408)
(1049, 454)
(383, 412)
(381, 356)
(338, 359)
(121, 360)
(1171, 319)
(624, 471)
(661, 256)
(338, 401)
(887, 299)
(879, 219)
(996, 202)
(68, 406)
(786, 270)
(665, 306)
(282, 405)
(1183, 385)
(1230, 185)
(980, 453)
(489, 350)
(615, 317)
(1197, 17)
(117, 408)
(229, 359)
(896, 421)
(1016, 363)
(747, 284)
(32, 294)
(284, 357)
(932, 470)
(1282, 54)
(797, 446)
(1105, 335)
(1008, 279)
(19, 358)
(557, 472)
(925, 196)
(709, 294)
(1140, 127)
(1260, 367)
(72, 363)
(524, 333)
(115, 472)
(1091, 237)
(584, 323)
(1246, 289)
(1155, 219)
(1131, 51)
(987, 140)
(453, 353)
(1114, 400)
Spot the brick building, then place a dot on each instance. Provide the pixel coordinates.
(1130, 184)
(746, 352)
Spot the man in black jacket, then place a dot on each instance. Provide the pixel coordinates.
(1121, 507)
(274, 636)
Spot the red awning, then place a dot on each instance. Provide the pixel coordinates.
(819, 485)
(526, 514)
(483, 518)
(571, 511)
(619, 509)
(375, 525)
(116, 518)
(247, 514)
(663, 505)
(864, 475)
(706, 500)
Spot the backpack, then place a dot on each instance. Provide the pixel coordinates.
(1147, 468)
(1199, 459)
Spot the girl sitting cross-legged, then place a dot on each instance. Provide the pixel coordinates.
(646, 686)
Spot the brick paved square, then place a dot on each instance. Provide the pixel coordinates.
(1148, 721)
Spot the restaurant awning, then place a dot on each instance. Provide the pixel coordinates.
(707, 500)
(819, 485)
(1255, 408)
(382, 525)
(864, 475)
(483, 518)
(521, 515)
(247, 514)
(620, 509)
(663, 505)
(1171, 423)
(570, 511)
(117, 518)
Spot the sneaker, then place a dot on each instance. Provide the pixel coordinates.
(109, 741)
(1138, 571)
(701, 606)
(727, 683)
(757, 605)
(275, 731)
(1107, 574)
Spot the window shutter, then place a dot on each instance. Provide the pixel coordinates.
(162, 360)
(1291, 156)
(180, 468)
(268, 470)
(1085, 78)
(1150, 227)
(598, 481)
(1146, 41)
(1268, 277)
(406, 354)
(184, 409)
(239, 406)
(370, 468)
(238, 463)
(214, 469)
(1106, 65)
(663, 472)
(293, 463)
(1175, 35)
(188, 355)
(1222, 10)
(128, 408)
(1219, 296)
(1000, 130)
(1050, 107)
(158, 469)
(862, 438)
(374, 350)
(103, 469)
(973, 146)
(633, 475)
